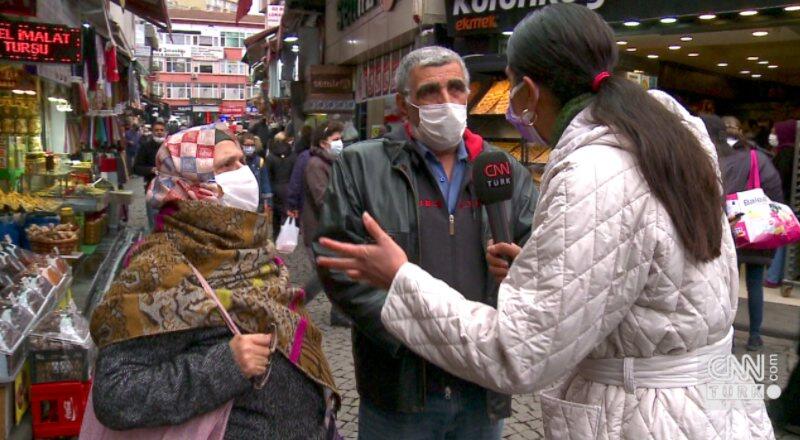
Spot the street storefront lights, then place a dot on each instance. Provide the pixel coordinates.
(693, 54)
(686, 38)
(760, 33)
(631, 23)
(756, 76)
(652, 56)
(669, 20)
(707, 17)
(745, 72)
(794, 8)
(722, 64)
(674, 47)
(290, 39)
(752, 58)
(748, 13)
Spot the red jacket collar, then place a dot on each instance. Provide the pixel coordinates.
(472, 141)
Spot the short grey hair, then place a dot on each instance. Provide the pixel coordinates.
(430, 56)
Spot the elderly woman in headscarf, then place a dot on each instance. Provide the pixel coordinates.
(166, 355)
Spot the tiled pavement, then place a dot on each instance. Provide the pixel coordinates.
(526, 423)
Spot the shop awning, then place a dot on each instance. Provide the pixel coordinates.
(154, 11)
(256, 46)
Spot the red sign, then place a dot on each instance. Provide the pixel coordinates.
(18, 7)
(231, 109)
(39, 43)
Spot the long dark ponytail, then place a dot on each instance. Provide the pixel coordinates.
(563, 47)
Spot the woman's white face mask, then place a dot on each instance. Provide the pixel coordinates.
(239, 189)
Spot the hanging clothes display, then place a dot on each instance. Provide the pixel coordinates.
(92, 69)
(112, 72)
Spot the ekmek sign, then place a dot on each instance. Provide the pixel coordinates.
(39, 43)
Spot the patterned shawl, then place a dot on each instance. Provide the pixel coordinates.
(157, 292)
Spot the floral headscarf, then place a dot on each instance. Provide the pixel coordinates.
(185, 166)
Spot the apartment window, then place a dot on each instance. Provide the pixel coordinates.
(234, 92)
(253, 92)
(203, 68)
(177, 39)
(206, 91)
(177, 65)
(178, 91)
(232, 39)
(204, 40)
(158, 88)
(157, 65)
(234, 68)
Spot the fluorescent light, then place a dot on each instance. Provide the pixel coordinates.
(760, 33)
(622, 42)
(291, 39)
(631, 23)
(792, 8)
(18, 92)
(638, 71)
(508, 33)
(722, 64)
(686, 38)
(707, 17)
(752, 58)
(763, 63)
(693, 54)
(30, 92)
(756, 75)
(745, 72)
(87, 25)
(53, 99)
(669, 20)
(674, 47)
(631, 49)
(295, 48)
(748, 13)
(652, 56)
(772, 66)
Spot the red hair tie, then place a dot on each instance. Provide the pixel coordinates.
(598, 80)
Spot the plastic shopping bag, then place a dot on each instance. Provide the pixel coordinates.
(762, 223)
(287, 239)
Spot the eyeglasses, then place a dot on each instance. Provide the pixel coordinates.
(260, 381)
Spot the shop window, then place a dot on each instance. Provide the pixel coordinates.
(234, 92)
(204, 68)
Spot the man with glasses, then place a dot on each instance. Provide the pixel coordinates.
(418, 186)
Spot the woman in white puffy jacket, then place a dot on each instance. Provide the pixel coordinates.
(620, 306)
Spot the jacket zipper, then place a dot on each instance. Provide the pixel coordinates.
(404, 172)
(452, 225)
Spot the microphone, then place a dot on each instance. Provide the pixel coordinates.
(494, 186)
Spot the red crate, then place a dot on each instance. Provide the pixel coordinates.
(57, 408)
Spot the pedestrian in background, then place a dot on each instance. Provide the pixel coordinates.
(280, 162)
(251, 146)
(734, 164)
(325, 148)
(783, 140)
(145, 163)
(303, 142)
(132, 137)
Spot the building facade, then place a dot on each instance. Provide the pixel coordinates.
(197, 70)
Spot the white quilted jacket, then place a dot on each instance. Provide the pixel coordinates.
(604, 275)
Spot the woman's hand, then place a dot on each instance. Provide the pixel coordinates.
(376, 264)
(498, 256)
(251, 353)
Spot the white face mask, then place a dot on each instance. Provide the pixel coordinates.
(159, 140)
(239, 189)
(248, 150)
(732, 141)
(337, 147)
(773, 140)
(441, 126)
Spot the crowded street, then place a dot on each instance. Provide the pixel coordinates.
(399, 219)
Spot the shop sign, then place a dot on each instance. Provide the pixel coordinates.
(18, 7)
(207, 53)
(331, 79)
(495, 16)
(205, 108)
(274, 16)
(39, 43)
(232, 109)
(349, 11)
(205, 101)
(329, 104)
(181, 108)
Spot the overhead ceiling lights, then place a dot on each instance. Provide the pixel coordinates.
(707, 17)
(631, 23)
(752, 58)
(638, 71)
(748, 13)
(652, 56)
(792, 8)
(669, 20)
(760, 33)
(675, 47)
(686, 38)
(30, 92)
(622, 42)
(745, 72)
(722, 64)
(772, 66)
(291, 39)
(18, 92)
(295, 48)
(693, 54)
(508, 33)
(756, 75)
(631, 49)
(763, 63)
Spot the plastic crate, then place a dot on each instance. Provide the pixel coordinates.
(60, 365)
(57, 408)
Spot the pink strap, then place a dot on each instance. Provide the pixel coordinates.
(754, 180)
(210, 292)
